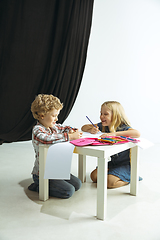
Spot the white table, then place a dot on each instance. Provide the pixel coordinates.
(103, 154)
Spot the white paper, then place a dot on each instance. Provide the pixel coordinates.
(144, 143)
(58, 162)
(89, 135)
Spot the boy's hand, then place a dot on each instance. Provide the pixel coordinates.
(73, 130)
(75, 135)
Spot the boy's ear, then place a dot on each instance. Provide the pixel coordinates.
(41, 116)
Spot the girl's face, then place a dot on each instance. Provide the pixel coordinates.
(106, 116)
(49, 120)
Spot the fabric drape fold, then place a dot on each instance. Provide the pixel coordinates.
(43, 49)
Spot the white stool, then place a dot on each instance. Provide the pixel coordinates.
(103, 154)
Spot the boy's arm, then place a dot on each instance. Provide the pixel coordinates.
(45, 137)
(62, 128)
(73, 133)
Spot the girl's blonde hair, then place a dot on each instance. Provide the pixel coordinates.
(118, 115)
(43, 104)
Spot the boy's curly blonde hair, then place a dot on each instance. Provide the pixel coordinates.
(118, 115)
(43, 104)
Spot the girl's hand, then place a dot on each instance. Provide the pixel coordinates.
(94, 130)
(90, 128)
(108, 134)
(75, 135)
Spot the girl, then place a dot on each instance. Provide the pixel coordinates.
(114, 123)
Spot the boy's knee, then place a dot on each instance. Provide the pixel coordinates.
(75, 182)
(34, 187)
(59, 193)
(78, 185)
(69, 192)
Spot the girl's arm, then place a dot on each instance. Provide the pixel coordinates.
(90, 128)
(127, 133)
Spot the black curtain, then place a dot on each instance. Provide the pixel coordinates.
(43, 48)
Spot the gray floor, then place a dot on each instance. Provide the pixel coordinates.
(23, 216)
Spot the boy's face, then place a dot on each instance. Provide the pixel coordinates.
(106, 116)
(50, 118)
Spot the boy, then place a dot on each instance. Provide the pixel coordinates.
(46, 108)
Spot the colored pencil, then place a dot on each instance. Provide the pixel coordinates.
(91, 122)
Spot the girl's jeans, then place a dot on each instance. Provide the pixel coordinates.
(60, 188)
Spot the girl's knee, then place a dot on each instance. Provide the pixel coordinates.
(115, 182)
(93, 175)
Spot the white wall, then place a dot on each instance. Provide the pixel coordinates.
(123, 64)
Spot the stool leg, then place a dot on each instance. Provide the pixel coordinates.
(43, 183)
(82, 167)
(102, 188)
(134, 171)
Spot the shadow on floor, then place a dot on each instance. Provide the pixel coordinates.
(84, 201)
(61, 208)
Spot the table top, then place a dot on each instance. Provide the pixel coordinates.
(103, 151)
(99, 151)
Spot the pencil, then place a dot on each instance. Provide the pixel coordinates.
(74, 129)
(91, 122)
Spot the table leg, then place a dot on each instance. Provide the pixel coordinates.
(82, 167)
(43, 183)
(102, 188)
(134, 171)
